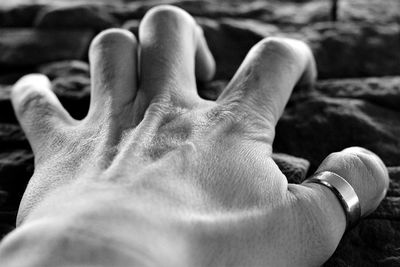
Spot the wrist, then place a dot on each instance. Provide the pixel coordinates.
(50, 242)
(89, 228)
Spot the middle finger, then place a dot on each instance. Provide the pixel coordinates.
(172, 52)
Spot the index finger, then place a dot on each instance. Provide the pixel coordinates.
(265, 80)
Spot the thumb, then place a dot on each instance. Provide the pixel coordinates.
(368, 176)
(364, 171)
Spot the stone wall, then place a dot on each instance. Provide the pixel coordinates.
(356, 101)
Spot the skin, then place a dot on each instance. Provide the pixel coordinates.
(157, 176)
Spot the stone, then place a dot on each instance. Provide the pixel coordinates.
(371, 11)
(208, 9)
(132, 10)
(132, 25)
(337, 113)
(28, 47)
(76, 16)
(373, 49)
(394, 188)
(335, 122)
(12, 76)
(211, 9)
(381, 91)
(19, 15)
(65, 69)
(3, 197)
(74, 94)
(267, 11)
(6, 110)
(12, 137)
(16, 168)
(389, 209)
(294, 168)
(290, 13)
(7, 222)
(211, 90)
(71, 84)
(229, 43)
(374, 242)
(354, 50)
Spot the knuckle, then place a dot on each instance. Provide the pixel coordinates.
(359, 159)
(284, 49)
(33, 100)
(358, 163)
(112, 38)
(275, 46)
(30, 93)
(28, 82)
(358, 150)
(169, 14)
(369, 163)
(351, 160)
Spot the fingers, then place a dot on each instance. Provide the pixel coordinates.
(38, 110)
(265, 80)
(364, 171)
(113, 67)
(205, 64)
(173, 52)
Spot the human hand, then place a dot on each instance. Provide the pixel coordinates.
(199, 173)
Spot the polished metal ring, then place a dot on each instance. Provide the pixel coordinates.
(343, 191)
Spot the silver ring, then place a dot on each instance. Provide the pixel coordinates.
(343, 191)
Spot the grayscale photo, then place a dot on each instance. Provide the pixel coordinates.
(199, 133)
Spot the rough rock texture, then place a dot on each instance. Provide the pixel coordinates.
(29, 47)
(64, 69)
(354, 50)
(357, 103)
(341, 49)
(371, 11)
(362, 112)
(19, 15)
(294, 168)
(77, 16)
(266, 11)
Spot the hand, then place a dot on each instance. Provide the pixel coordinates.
(182, 181)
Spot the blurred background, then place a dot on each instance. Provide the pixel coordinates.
(356, 100)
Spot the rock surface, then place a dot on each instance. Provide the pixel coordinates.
(372, 11)
(337, 118)
(77, 16)
(52, 37)
(294, 168)
(30, 47)
(19, 15)
(341, 49)
(355, 50)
